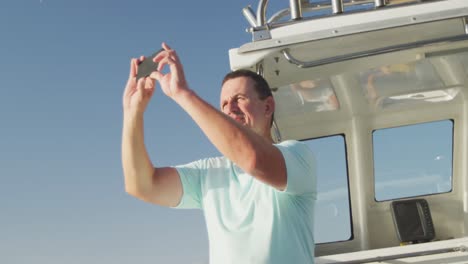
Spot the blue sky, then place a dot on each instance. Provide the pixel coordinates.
(63, 68)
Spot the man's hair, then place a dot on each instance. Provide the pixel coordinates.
(260, 84)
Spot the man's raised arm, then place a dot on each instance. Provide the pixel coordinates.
(252, 152)
(161, 186)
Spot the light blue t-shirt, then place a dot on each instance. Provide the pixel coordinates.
(249, 221)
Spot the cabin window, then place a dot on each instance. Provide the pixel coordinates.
(413, 160)
(332, 211)
(307, 96)
(437, 78)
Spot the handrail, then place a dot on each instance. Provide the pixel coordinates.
(315, 7)
(261, 13)
(357, 55)
(249, 15)
(296, 7)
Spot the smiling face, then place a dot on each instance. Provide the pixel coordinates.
(240, 101)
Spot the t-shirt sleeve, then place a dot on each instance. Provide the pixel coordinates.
(191, 176)
(300, 167)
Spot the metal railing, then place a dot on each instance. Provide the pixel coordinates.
(296, 9)
(309, 64)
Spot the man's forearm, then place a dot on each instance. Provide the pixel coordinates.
(137, 167)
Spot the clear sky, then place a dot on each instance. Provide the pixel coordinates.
(63, 68)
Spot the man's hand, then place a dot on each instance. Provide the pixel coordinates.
(137, 94)
(173, 83)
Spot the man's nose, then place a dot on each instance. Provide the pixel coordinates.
(232, 106)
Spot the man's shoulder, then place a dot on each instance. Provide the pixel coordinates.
(295, 148)
(216, 162)
(206, 163)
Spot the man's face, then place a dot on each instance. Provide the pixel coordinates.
(240, 101)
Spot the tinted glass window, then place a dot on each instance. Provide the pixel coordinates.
(333, 218)
(413, 160)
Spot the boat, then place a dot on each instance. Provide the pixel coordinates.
(379, 91)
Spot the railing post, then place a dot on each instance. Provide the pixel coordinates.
(250, 16)
(261, 13)
(337, 6)
(380, 3)
(296, 11)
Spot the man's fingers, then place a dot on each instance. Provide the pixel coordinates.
(170, 57)
(141, 86)
(168, 52)
(162, 63)
(156, 75)
(149, 83)
(165, 46)
(161, 55)
(169, 60)
(171, 51)
(131, 78)
(133, 68)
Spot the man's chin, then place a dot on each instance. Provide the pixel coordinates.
(239, 121)
(246, 125)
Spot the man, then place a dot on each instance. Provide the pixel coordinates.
(258, 199)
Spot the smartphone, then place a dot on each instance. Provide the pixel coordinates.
(146, 67)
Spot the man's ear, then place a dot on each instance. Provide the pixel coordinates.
(269, 106)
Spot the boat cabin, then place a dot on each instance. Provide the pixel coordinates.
(379, 91)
